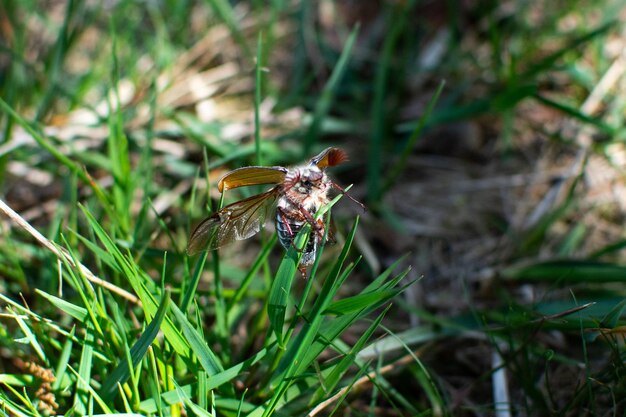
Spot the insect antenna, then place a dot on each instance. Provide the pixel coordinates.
(344, 192)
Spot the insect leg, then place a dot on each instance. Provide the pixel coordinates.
(302, 270)
(316, 226)
(285, 221)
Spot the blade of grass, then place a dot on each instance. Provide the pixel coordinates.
(122, 372)
(567, 271)
(398, 167)
(376, 154)
(79, 313)
(55, 67)
(92, 394)
(185, 399)
(358, 302)
(292, 363)
(190, 291)
(612, 318)
(155, 385)
(250, 275)
(428, 384)
(611, 248)
(331, 329)
(411, 337)
(102, 255)
(577, 114)
(339, 370)
(81, 399)
(309, 285)
(62, 364)
(532, 241)
(382, 385)
(137, 282)
(85, 291)
(225, 11)
(117, 144)
(145, 177)
(215, 381)
(258, 76)
(550, 61)
(281, 285)
(168, 398)
(328, 94)
(29, 335)
(340, 398)
(207, 359)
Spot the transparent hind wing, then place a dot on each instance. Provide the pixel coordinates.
(237, 221)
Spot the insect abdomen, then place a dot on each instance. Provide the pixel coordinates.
(287, 230)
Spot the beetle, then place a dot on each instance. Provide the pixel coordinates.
(299, 192)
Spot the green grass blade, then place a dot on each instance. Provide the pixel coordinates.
(215, 381)
(192, 286)
(258, 86)
(190, 405)
(293, 363)
(79, 313)
(91, 394)
(101, 255)
(323, 299)
(612, 318)
(550, 61)
(227, 375)
(577, 114)
(225, 11)
(254, 269)
(207, 359)
(81, 398)
(281, 285)
(64, 359)
(379, 131)
(398, 167)
(380, 280)
(29, 335)
(120, 169)
(411, 337)
(339, 370)
(432, 391)
(358, 302)
(85, 290)
(610, 248)
(137, 282)
(567, 271)
(168, 398)
(328, 94)
(331, 329)
(58, 54)
(122, 372)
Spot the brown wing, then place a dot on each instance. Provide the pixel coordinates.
(329, 157)
(251, 176)
(237, 221)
